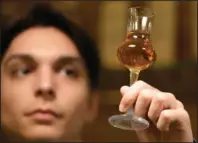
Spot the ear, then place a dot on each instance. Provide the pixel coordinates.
(93, 106)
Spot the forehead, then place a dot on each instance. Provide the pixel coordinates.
(44, 43)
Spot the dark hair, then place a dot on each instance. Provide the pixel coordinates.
(42, 15)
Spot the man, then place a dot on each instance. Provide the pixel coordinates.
(49, 80)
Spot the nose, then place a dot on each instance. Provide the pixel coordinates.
(47, 94)
(44, 84)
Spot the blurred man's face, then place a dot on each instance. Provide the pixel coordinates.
(44, 87)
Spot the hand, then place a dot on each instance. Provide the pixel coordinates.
(165, 113)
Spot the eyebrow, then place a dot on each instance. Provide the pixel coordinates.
(68, 60)
(62, 60)
(22, 57)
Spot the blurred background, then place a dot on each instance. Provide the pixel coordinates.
(174, 37)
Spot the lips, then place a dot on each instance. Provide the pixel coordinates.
(43, 115)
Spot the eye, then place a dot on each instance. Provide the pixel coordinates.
(23, 71)
(68, 71)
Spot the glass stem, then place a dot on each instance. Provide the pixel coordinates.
(134, 74)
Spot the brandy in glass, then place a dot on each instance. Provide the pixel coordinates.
(136, 53)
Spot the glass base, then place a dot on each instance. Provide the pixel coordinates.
(128, 122)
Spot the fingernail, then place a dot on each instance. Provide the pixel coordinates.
(122, 108)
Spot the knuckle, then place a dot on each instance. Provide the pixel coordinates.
(185, 114)
(160, 97)
(165, 115)
(145, 94)
(140, 82)
(170, 95)
(180, 104)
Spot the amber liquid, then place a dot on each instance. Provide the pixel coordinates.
(136, 52)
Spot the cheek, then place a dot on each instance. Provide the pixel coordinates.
(15, 92)
(74, 98)
(13, 100)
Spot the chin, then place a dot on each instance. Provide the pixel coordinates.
(42, 133)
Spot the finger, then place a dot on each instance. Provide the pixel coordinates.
(143, 102)
(160, 101)
(130, 96)
(128, 100)
(180, 104)
(179, 116)
(169, 100)
(124, 89)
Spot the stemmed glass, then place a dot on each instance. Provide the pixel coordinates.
(136, 53)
